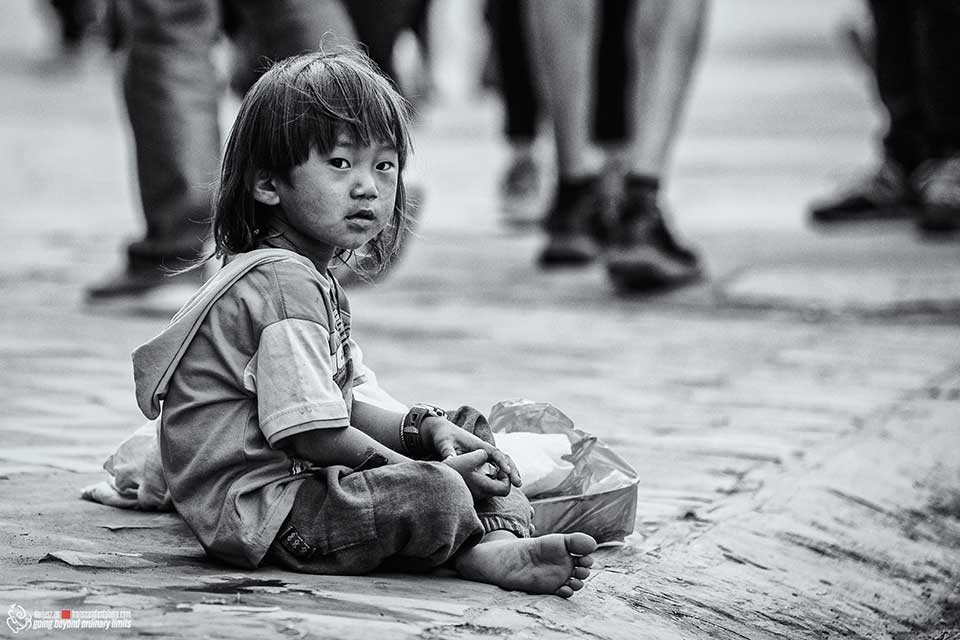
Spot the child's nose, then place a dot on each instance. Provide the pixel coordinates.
(365, 186)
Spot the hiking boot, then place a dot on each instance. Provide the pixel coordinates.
(574, 224)
(939, 187)
(645, 256)
(521, 193)
(884, 195)
(145, 291)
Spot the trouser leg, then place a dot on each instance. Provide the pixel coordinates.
(938, 50)
(171, 97)
(512, 45)
(272, 31)
(895, 24)
(378, 25)
(410, 516)
(610, 113)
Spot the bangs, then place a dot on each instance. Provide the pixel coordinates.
(323, 97)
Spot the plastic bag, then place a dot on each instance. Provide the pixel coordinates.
(136, 477)
(543, 459)
(598, 497)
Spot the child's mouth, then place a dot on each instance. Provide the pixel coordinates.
(361, 220)
(363, 215)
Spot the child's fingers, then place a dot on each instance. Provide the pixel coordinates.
(487, 486)
(447, 450)
(475, 458)
(506, 465)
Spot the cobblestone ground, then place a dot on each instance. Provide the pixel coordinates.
(793, 420)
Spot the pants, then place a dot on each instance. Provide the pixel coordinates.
(515, 69)
(379, 23)
(171, 92)
(404, 517)
(917, 47)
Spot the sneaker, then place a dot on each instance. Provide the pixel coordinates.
(145, 291)
(939, 187)
(521, 193)
(574, 224)
(885, 195)
(645, 256)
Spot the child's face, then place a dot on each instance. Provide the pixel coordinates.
(342, 199)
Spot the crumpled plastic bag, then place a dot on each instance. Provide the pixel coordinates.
(542, 459)
(136, 477)
(597, 496)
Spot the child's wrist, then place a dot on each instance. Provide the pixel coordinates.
(412, 441)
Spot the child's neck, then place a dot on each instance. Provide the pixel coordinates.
(282, 236)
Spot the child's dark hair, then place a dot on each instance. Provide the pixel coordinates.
(299, 104)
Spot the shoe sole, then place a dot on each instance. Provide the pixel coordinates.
(939, 222)
(651, 281)
(556, 258)
(885, 214)
(650, 276)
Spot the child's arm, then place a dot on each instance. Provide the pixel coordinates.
(346, 446)
(441, 438)
(445, 441)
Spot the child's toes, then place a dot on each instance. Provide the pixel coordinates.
(583, 561)
(580, 544)
(564, 592)
(575, 583)
(581, 573)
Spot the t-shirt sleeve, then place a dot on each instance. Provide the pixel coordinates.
(294, 381)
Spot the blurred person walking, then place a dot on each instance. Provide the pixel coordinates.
(662, 45)
(511, 73)
(916, 46)
(171, 91)
(524, 184)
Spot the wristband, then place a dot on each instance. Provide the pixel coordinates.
(410, 439)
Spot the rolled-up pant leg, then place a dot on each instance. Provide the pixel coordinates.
(511, 512)
(411, 516)
(406, 517)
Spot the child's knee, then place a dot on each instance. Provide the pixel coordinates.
(444, 489)
(425, 511)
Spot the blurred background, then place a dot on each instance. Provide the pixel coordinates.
(781, 111)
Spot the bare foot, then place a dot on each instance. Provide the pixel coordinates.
(557, 563)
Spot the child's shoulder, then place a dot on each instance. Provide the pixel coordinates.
(292, 285)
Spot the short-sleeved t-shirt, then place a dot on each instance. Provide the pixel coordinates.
(272, 358)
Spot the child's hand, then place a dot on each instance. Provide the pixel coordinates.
(447, 439)
(474, 469)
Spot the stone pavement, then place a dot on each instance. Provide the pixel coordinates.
(793, 420)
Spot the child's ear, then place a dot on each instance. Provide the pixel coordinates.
(265, 189)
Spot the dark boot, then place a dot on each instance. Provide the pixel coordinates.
(644, 255)
(574, 224)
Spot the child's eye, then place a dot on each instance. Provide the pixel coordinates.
(339, 163)
(386, 165)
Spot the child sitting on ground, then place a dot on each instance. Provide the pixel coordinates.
(276, 442)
